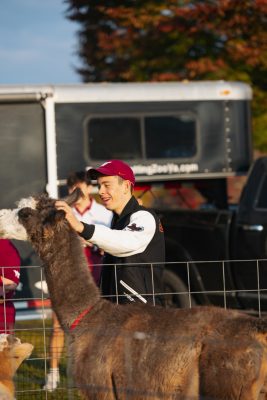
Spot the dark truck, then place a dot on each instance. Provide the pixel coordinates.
(234, 236)
(176, 136)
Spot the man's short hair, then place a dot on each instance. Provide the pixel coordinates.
(121, 180)
(78, 177)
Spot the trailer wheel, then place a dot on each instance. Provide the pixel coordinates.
(176, 292)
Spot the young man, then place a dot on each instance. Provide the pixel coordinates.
(134, 243)
(86, 209)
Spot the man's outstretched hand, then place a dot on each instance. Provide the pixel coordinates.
(70, 217)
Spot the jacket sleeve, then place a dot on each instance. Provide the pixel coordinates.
(133, 239)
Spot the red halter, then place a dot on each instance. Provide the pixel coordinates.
(80, 317)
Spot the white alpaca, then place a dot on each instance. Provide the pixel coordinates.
(10, 228)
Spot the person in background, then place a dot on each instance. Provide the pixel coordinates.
(134, 242)
(89, 211)
(86, 209)
(9, 279)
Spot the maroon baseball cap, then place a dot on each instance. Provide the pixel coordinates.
(113, 168)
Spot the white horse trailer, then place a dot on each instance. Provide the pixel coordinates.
(165, 131)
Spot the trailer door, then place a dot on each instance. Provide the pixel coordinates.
(23, 165)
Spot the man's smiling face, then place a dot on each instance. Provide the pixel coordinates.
(114, 192)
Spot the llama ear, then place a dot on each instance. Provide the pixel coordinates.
(73, 197)
(12, 340)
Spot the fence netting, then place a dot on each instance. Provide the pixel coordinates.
(239, 284)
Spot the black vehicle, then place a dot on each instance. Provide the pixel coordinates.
(175, 136)
(220, 253)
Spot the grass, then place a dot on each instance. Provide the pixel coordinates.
(30, 376)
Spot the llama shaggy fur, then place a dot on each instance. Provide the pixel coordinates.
(12, 353)
(139, 351)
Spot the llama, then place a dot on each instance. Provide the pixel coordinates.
(138, 351)
(12, 353)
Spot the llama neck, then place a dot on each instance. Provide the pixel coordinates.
(70, 283)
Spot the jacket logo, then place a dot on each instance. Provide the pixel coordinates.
(17, 274)
(135, 228)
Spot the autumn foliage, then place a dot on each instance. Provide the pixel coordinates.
(135, 40)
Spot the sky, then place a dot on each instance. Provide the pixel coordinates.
(37, 43)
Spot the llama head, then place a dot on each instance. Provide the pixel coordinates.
(12, 353)
(11, 225)
(42, 223)
(35, 219)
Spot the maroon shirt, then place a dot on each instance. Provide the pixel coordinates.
(9, 258)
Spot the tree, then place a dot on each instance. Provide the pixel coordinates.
(155, 40)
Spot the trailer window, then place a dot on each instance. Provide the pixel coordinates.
(170, 137)
(114, 138)
(141, 137)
